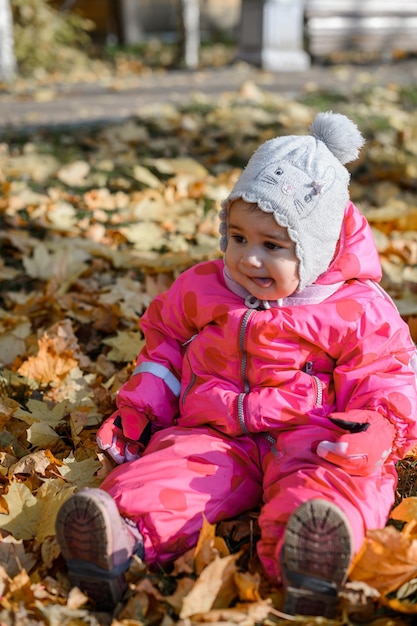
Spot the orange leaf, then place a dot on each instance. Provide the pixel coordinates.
(388, 558)
(406, 511)
(55, 358)
(401, 606)
(248, 586)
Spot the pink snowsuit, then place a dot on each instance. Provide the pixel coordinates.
(240, 395)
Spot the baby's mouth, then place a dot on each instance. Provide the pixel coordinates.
(262, 282)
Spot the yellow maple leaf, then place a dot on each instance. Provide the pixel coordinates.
(24, 512)
(125, 347)
(80, 473)
(38, 411)
(52, 496)
(248, 586)
(42, 435)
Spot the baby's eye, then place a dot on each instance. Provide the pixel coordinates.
(238, 238)
(269, 245)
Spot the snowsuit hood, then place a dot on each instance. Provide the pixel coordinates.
(356, 254)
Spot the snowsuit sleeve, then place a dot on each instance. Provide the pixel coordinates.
(376, 371)
(154, 388)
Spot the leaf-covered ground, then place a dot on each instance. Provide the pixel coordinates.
(94, 223)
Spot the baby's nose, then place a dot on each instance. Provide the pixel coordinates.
(252, 258)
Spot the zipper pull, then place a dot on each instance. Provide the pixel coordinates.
(308, 368)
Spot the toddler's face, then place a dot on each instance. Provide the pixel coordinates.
(259, 254)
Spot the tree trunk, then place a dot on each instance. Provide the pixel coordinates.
(190, 30)
(7, 57)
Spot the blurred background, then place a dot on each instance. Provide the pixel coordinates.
(281, 35)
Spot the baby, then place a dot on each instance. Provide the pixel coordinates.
(280, 378)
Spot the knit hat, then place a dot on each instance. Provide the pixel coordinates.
(302, 181)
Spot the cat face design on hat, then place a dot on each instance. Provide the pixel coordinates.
(278, 177)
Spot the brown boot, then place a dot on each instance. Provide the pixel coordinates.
(315, 557)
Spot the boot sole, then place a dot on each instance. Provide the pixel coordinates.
(318, 549)
(86, 533)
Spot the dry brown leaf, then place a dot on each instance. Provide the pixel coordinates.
(36, 462)
(181, 165)
(76, 599)
(145, 601)
(208, 547)
(80, 473)
(184, 586)
(55, 358)
(245, 614)
(359, 600)
(248, 586)
(7, 408)
(13, 332)
(39, 411)
(13, 556)
(387, 559)
(215, 580)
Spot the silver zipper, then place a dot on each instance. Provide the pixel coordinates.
(319, 390)
(245, 382)
(241, 413)
(244, 361)
(272, 441)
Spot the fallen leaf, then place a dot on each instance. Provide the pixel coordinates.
(217, 578)
(143, 175)
(125, 346)
(74, 174)
(387, 559)
(406, 511)
(80, 473)
(24, 512)
(208, 547)
(13, 556)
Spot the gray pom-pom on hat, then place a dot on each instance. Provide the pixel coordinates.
(302, 181)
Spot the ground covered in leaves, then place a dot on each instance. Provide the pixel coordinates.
(94, 223)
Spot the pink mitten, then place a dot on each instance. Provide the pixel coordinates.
(124, 434)
(361, 446)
